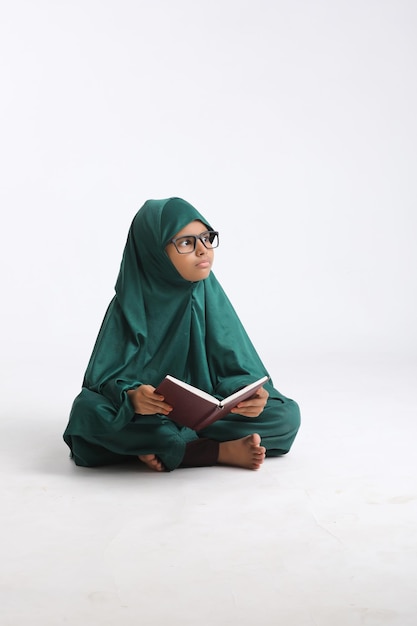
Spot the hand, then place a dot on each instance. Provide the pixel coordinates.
(254, 406)
(146, 402)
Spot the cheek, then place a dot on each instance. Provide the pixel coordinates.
(174, 257)
(181, 264)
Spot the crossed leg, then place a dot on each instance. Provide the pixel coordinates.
(245, 452)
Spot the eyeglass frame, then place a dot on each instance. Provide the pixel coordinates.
(215, 233)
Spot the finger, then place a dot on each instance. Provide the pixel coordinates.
(246, 412)
(162, 407)
(251, 404)
(151, 394)
(152, 408)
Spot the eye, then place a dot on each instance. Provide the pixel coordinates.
(185, 242)
(209, 239)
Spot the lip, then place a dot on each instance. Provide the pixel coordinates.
(203, 264)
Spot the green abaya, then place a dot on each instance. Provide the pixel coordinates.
(158, 323)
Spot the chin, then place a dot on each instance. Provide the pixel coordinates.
(199, 277)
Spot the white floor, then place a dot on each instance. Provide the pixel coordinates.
(326, 536)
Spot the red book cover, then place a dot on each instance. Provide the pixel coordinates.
(197, 409)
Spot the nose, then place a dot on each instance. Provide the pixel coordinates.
(200, 247)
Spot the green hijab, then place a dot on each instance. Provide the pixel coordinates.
(158, 323)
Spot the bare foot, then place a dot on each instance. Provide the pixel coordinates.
(246, 452)
(152, 461)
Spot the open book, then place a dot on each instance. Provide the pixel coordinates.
(197, 409)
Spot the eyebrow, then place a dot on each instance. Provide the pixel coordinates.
(194, 234)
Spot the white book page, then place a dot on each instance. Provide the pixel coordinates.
(194, 390)
(237, 394)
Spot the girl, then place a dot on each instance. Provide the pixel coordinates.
(171, 316)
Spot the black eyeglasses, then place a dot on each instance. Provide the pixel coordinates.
(187, 243)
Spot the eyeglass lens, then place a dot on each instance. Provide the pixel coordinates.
(188, 243)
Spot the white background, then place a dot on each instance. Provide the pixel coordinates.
(291, 125)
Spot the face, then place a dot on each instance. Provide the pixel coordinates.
(197, 264)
